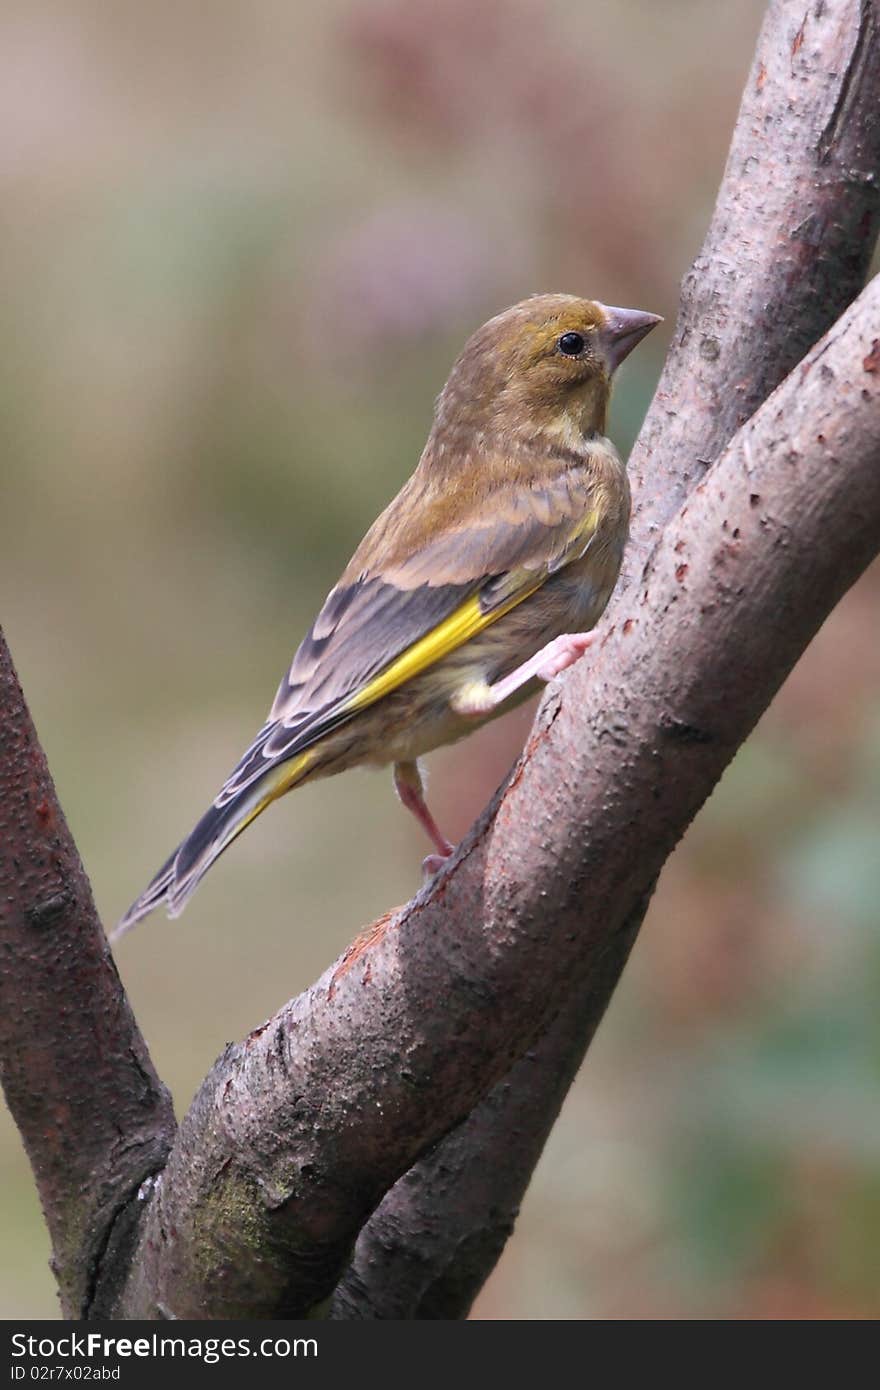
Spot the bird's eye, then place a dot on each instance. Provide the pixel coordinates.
(570, 344)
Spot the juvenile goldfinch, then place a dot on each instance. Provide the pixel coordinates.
(479, 581)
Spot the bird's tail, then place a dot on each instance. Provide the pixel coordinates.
(182, 873)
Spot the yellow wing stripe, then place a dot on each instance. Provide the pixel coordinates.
(467, 620)
(286, 775)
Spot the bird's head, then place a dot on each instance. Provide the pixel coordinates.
(545, 365)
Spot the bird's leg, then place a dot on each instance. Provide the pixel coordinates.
(480, 697)
(409, 787)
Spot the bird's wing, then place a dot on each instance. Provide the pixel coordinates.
(385, 623)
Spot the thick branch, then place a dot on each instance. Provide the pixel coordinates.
(426, 1250)
(95, 1120)
(298, 1132)
(789, 245)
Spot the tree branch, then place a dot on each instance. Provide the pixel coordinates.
(95, 1120)
(788, 248)
(297, 1132)
(427, 1249)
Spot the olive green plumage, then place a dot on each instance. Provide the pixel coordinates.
(509, 534)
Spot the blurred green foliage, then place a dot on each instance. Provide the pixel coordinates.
(240, 250)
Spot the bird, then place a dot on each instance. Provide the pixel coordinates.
(481, 580)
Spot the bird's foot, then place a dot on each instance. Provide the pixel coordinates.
(409, 787)
(478, 698)
(561, 653)
(433, 863)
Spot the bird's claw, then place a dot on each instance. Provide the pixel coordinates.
(563, 652)
(432, 864)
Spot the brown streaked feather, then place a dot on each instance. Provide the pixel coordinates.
(508, 533)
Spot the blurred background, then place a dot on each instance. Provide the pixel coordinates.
(241, 245)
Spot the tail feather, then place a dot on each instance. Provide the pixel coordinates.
(152, 896)
(182, 873)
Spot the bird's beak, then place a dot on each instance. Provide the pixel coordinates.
(624, 329)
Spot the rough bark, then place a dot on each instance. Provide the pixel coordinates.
(297, 1132)
(788, 248)
(428, 1247)
(95, 1120)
